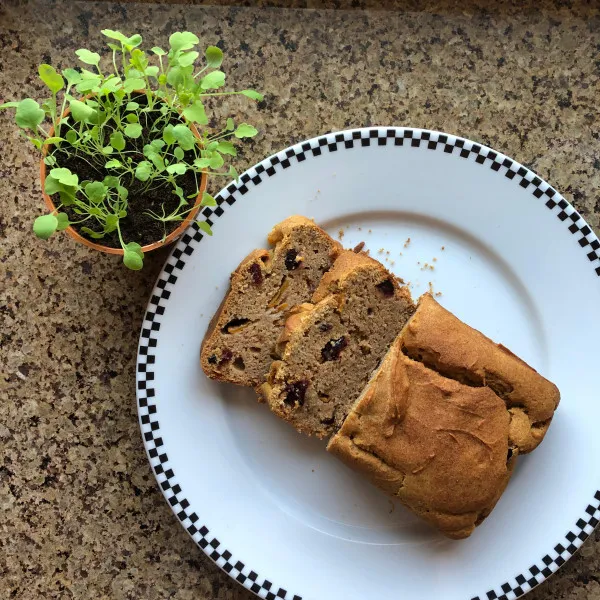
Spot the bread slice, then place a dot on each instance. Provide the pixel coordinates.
(239, 342)
(329, 348)
(437, 434)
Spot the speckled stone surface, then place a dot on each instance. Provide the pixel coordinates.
(80, 513)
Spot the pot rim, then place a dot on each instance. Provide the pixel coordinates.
(107, 249)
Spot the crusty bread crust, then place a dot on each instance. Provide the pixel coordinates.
(443, 342)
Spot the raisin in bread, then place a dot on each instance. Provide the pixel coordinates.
(239, 342)
(441, 440)
(330, 347)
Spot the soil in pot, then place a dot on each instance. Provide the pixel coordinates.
(137, 226)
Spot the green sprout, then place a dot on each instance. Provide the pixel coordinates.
(139, 121)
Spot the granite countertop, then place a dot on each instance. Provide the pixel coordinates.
(80, 513)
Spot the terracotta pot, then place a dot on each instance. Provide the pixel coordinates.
(107, 249)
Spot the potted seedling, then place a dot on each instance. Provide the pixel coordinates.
(126, 151)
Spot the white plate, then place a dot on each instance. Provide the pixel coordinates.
(271, 507)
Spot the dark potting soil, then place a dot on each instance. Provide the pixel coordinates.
(137, 226)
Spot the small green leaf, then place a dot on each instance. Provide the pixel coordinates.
(226, 148)
(132, 260)
(107, 150)
(158, 51)
(123, 193)
(196, 113)
(89, 85)
(37, 142)
(182, 40)
(65, 176)
(202, 163)
(133, 130)
(208, 200)
(53, 140)
(49, 160)
(71, 136)
(252, 94)
(72, 76)
(188, 58)
(113, 164)
(213, 80)
(205, 227)
(110, 224)
(67, 197)
(179, 153)
(134, 247)
(134, 41)
(52, 186)
(132, 118)
(143, 170)
(91, 233)
(216, 161)
(134, 84)
(184, 136)
(111, 181)
(96, 191)
(230, 125)
(245, 131)
(87, 57)
(44, 226)
(132, 106)
(233, 173)
(81, 111)
(151, 71)
(214, 57)
(157, 161)
(162, 79)
(111, 85)
(168, 135)
(114, 35)
(63, 221)
(51, 78)
(117, 141)
(29, 114)
(177, 169)
(9, 105)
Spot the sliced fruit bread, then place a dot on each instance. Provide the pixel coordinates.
(240, 339)
(329, 348)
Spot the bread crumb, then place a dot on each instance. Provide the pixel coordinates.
(438, 294)
(387, 252)
(369, 231)
(392, 263)
(313, 470)
(358, 248)
(407, 242)
(443, 248)
(380, 251)
(431, 288)
(400, 254)
(340, 234)
(347, 226)
(360, 228)
(367, 252)
(434, 259)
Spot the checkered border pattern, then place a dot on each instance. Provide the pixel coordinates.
(345, 140)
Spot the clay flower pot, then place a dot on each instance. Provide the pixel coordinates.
(107, 249)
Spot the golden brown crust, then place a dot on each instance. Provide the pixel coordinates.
(436, 444)
(444, 342)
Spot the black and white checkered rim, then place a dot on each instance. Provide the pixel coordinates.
(312, 149)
